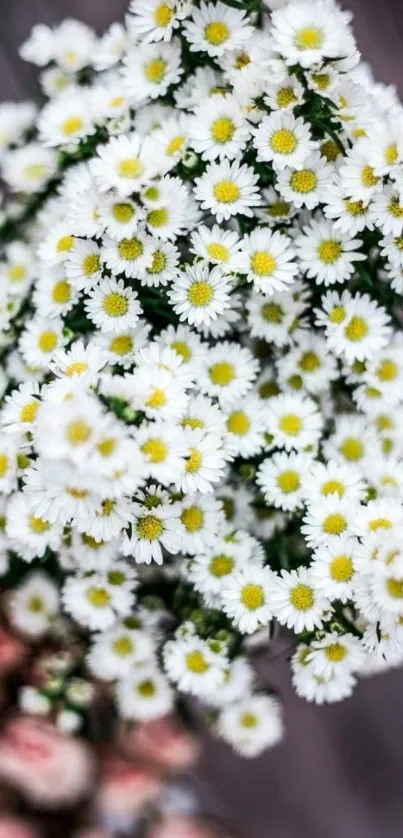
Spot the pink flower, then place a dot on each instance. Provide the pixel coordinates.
(178, 826)
(12, 651)
(16, 828)
(46, 766)
(164, 742)
(125, 788)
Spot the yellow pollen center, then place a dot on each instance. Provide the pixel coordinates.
(106, 446)
(121, 345)
(131, 168)
(341, 569)
(155, 71)
(98, 597)
(391, 154)
(29, 411)
(146, 689)
(335, 652)
(272, 313)
(238, 423)
(355, 208)
(150, 528)
(222, 373)
(395, 208)
(356, 329)
(302, 597)
(221, 565)
(249, 721)
(192, 422)
(223, 130)
(72, 125)
(163, 15)
(283, 141)
(158, 217)
(122, 646)
(155, 450)
(216, 33)
(194, 462)
(394, 588)
(38, 525)
(387, 370)
(197, 663)
(329, 251)
(226, 192)
(286, 97)
(17, 273)
(288, 481)
(379, 524)
(331, 487)
(65, 244)
(253, 597)
(35, 172)
(47, 341)
(368, 178)
(123, 213)
(330, 151)
(130, 249)
(78, 432)
(310, 37)
(309, 362)
(291, 424)
(76, 368)
(91, 264)
(156, 399)
(115, 305)
(352, 448)
(334, 524)
(200, 294)
(303, 181)
(192, 518)
(182, 349)
(218, 252)
(263, 263)
(61, 292)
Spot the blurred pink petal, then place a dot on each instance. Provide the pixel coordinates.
(177, 826)
(125, 788)
(164, 742)
(42, 763)
(16, 828)
(12, 651)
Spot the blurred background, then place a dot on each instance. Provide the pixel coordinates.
(339, 772)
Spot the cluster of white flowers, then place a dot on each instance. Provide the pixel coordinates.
(198, 435)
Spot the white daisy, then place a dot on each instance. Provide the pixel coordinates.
(228, 372)
(247, 598)
(283, 140)
(293, 421)
(296, 601)
(198, 295)
(215, 28)
(144, 694)
(219, 129)
(326, 254)
(281, 479)
(333, 567)
(227, 189)
(150, 69)
(125, 164)
(267, 259)
(112, 306)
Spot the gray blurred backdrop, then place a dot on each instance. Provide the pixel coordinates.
(339, 772)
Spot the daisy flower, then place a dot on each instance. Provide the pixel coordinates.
(83, 264)
(331, 478)
(282, 479)
(293, 421)
(20, 408)
(267, 259)
(29, 536)
(163, 448)
(215, 28)
(357, 175)
(329, 518)
(34, 604)
(144, 694)
(276, 317)
(192, 664)
(150, 69)
(129, 256)
(307, 33)
(216, 245)
(125, 164)
(352, 442)
(67, 118)
(112, 306)
(204, 461)
(356, 327)
(347, 215)
(283, 140)
(198, 295)
(326, 254)
(79, 361)
(306, 186)
(227, 189)
(247, 598)
(251, 725)
(228, 372)
(119, 216)
(28, 169)
(210, 571)
(93, 602)
(114, 653)
(245, 424)
(296, 601)
(54, 295)
(156, 525)
(203, 520)
(333, 567)
(219, 129)
(41, 339)
(308, 364)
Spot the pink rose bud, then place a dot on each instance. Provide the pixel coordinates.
(45, 765)
(164, 742)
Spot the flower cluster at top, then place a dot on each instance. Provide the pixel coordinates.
(202, 358)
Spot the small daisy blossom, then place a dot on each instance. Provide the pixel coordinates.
(326, 254)
(247, 598)
(112, 306)
(200, 295)
(297, 602)
(283, 140)
(267, 259)
(215, 28)
(227, 189)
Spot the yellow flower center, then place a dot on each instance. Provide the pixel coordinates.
(286, 97)
(158, 217)
(197, 663)
(302, 597)
(352, 448)
(192, 422)
(38, 525)
(65, 244)
(395, 208)
(91, 264)
(146, 688)
(47, 341)
(379, 524)
(223, 130)
(29, 411)
(331, 487)
(61, 292)
(123, 212)
(149, 528)
(341, 569)
(238, 423)
(387, 370)
(76, 368)
(334, 524)
(288, 481)
(226, 191)
(368, 178)
(291, 424)
(131, 168)
(156, 399)
(263, 263)
(355, 208)
(218, 252)
(98, 597)
(309, 362)
(329, 251)
(283, 141)
(155, 450)
(130, 249)
(158, 263)
(253, 597)
(322, 80)
(278, 209)
(182, 349)
(72, 125)
(200, 294)
(222, 373)
(194, 462)
(310, 37)
(272, 313)
(330, 150)
(106, 446)
(394, 588)
(121, 345)
(17, 273)
(35, 172)
(78, 432)
(122, 646)
(221, 565)
(216, 33)
(249, 721)
(356, 329)
(155, 70)
(391, 154)
(303, 181)
(335, 652)
(192, 518)
(337, 315)
(115, 305)
(163, 15)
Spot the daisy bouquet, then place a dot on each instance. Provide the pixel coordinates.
(202, 358)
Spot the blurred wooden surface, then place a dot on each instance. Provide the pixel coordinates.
(339, 772)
